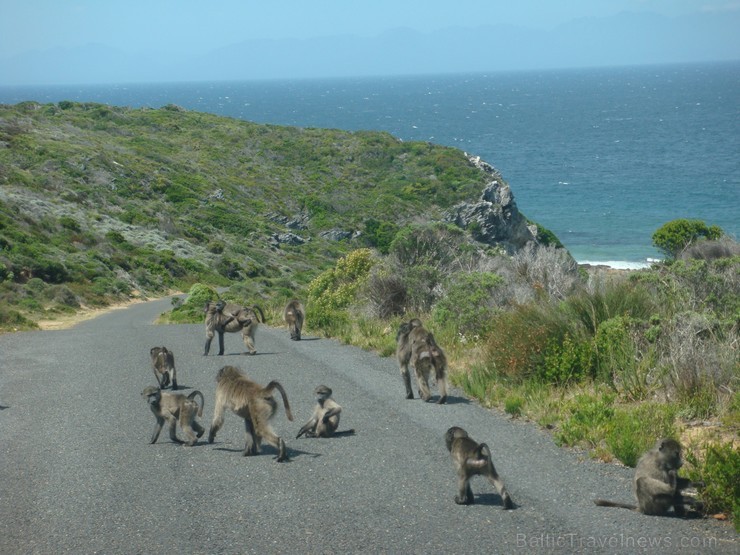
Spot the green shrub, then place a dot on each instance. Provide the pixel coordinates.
(565, 360)
(380, 234)
(719, 469)
(12, 320)
(587, 421)
(634, 430)
(466, 305)
(332, 291)
(191, 310)
(676, 235)
(513, 405)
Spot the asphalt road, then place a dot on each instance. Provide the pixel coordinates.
(79, 476)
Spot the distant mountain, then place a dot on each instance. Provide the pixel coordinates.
(624, 39)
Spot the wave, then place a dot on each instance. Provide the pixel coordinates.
(619, 264)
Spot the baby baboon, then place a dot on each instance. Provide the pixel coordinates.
(227, 317)
(163, 364)
(294, 315)
(173, 407)
(415, 346)
(656, 484)
(254, 403)
(472, 459)
(325, 419)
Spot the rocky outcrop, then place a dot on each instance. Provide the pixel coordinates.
(286, 239)
(495, 218)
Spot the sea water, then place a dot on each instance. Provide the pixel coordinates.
(602, 157)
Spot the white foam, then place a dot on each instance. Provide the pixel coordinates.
(619, 264)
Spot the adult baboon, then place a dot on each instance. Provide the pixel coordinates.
(325, 418)
(656, 484)
(163, 364)
(173, 407)
(473, 459)
(294, 314)
(254, 403)
(228, 317)
(415, 346)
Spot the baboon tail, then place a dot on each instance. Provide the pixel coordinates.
(483, 452)
(202, 403)
(262, 314)
(276, 385)
(605, 503)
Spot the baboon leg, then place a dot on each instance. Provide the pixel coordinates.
(442, 385)
(423, 382)
(251, 447)
(407, 381)
(187, 417)
(277, 442)
(199, 430)
(209, 338)
(498, 483)
(654, 497)
(249, 343)
(465, 494)
(174, 381)
(157, 429)
(220, 342)
(173, 434)
(218, 421)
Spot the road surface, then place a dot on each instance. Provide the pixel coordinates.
(79, 476)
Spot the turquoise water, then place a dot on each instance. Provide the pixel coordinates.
(602, 157)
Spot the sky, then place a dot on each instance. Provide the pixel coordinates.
(36, 36)
(192, 26)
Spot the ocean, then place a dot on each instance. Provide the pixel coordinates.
(602, 157)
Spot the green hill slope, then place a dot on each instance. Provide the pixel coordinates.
(98, 202)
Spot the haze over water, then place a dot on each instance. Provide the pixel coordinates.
(602, 157)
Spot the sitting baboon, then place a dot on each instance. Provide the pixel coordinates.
(163, 364)
(254, 403)
(473, 459)
(415, 346)
(173, 407)
(325, 418)
(228, 317)
(294, 315)
(656, 484)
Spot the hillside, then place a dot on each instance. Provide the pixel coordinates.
(99, 203)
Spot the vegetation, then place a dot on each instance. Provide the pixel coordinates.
(676, 235)
(100, 203)
(609, 362)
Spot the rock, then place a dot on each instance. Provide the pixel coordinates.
(287, 239)
(336, 235)
(495, 217)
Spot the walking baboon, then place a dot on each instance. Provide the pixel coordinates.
(473, 459)
(173, 407)
(224, 317)
(325, 419)
(656, 484)
(415, 346)
(294, 315)
(163, 364)
(254, 403)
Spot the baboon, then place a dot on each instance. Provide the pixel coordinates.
(173, 407)
(656, 484)
(294, 315)
(415, 346)
(473, 459)
(325, 419)
(254, 403)
(163, 364)
(227, 317)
